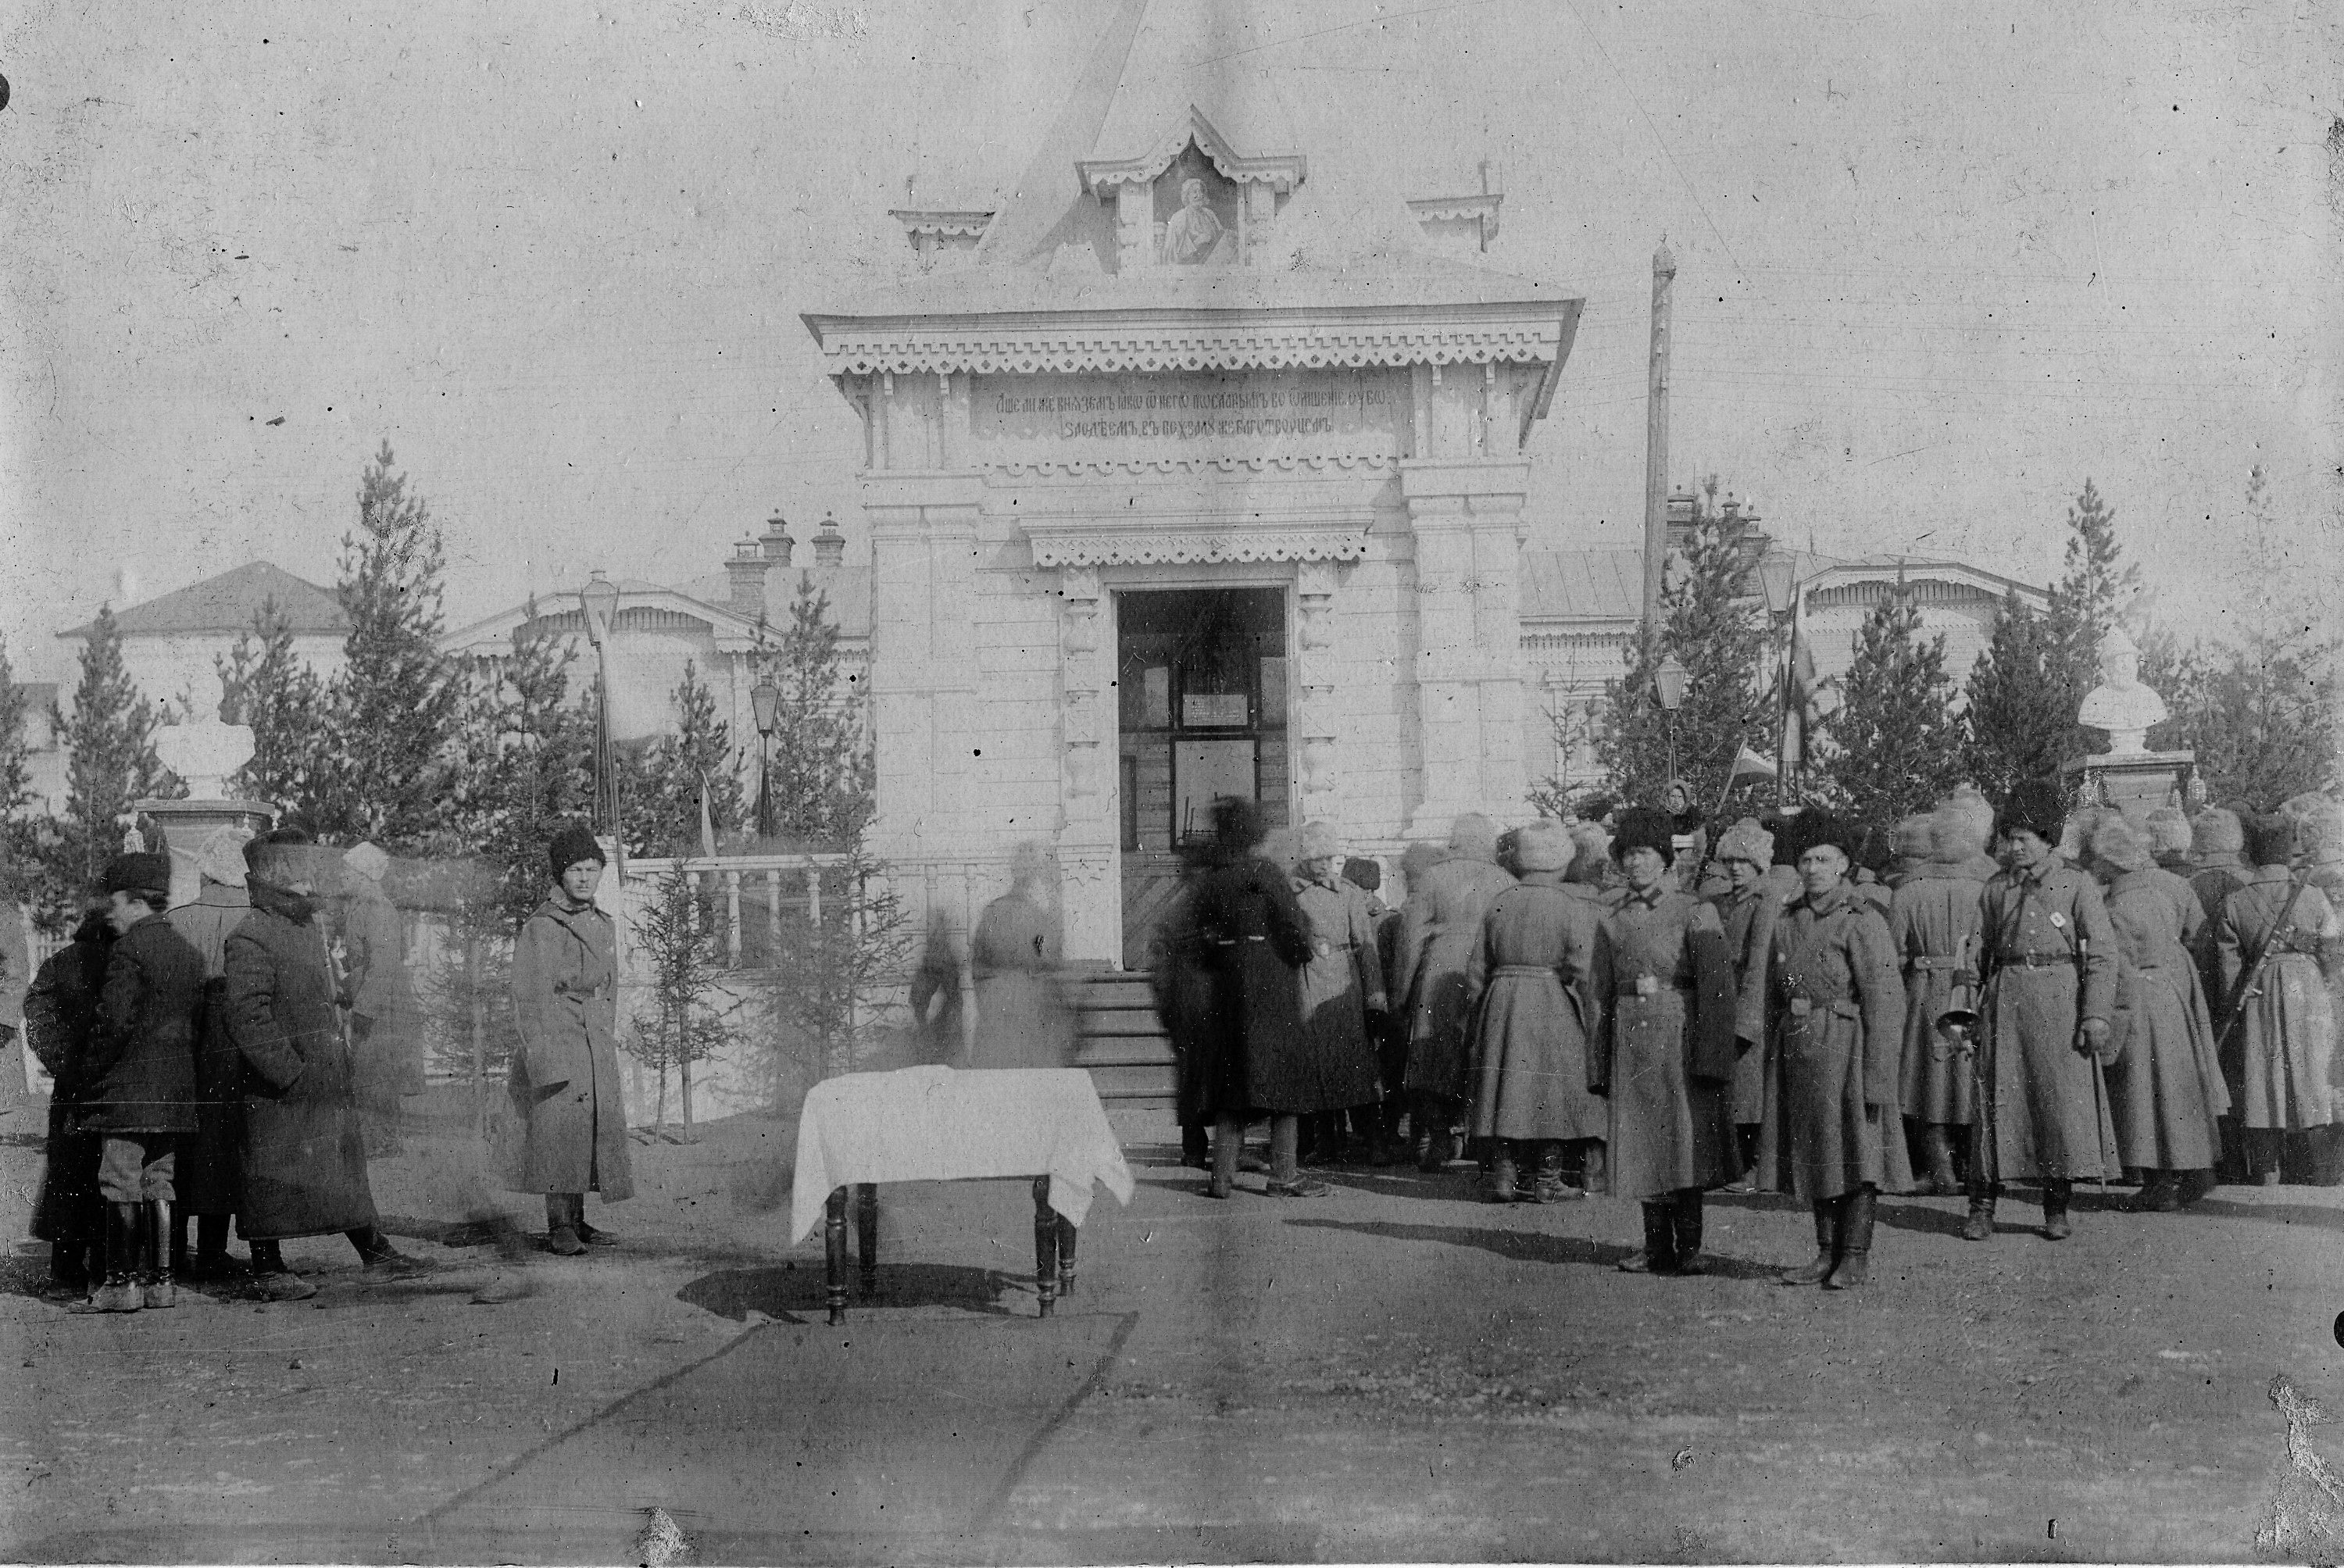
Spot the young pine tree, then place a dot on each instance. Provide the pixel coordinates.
(277, 695)
(1892, 746)
(110, 762)
(2020, 719)
(395, 704)
(21, 838)
(1719, 633)
(689, 1018)
(821, 776)
(659, 787)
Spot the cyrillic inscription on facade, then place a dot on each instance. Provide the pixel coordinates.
(1064, 419)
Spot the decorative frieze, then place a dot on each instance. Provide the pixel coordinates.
(1136, 548)
(1049, 349)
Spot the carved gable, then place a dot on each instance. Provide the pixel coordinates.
(1192, 199)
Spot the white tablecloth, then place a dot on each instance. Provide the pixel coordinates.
(933, 1124)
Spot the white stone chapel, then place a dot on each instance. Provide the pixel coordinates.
(1197, 468)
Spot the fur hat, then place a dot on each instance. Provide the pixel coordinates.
(1280, 847)
(2217, 832)
(281, 858)
(1363, 873)
(1822, 827)
(2035, 805)
(2275, 839)
(1543, 847)
(1640, 827)
(1973, 811)
(1590, 853)
(1414, 862)
(2120, 845)
(1320, 843)
(573, 843)
(1958, 834)
(2169, 831)
(220, 859)
(369, 860)
(138, 873)
(1745, 840)
(1473, 838)
(1237, 822)
(1916, 837)
(2321, 818)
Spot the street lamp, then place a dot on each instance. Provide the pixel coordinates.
(765, 700)
(1669, 686)
(600, 601)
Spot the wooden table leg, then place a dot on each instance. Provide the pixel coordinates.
(1046, 1246)
(834, 1247)
(1067, 1232)
(866, 1234)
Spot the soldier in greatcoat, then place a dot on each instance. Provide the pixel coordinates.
(1343, 997)
(141, 1066)
(210, 1180)
(2170, 841)
(1442, 922)
(2285, 1034)
(386, 1023)
(564, 1083)
(1665, 1052)
(1254, 938)
(1933, 928)
(1748, 909)
(1389, 1030)
(1531, 986)
(2049, 992)
(304, 1164)
(1836, 1013)
(61, 1019)
(2165, 1083)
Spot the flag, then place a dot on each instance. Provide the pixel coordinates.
(1798, 687)
(707, 826)
(1746, 761)
(639, 707)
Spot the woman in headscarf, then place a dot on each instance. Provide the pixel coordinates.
(1529, 985)
(564, 1083)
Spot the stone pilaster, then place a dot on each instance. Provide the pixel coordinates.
(1466, 517)
(1086, 837)
(1315, 722)
(923, 665)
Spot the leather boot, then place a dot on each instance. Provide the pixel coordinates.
(1549, 1185)
(2054, 1209)
(1686, 1230)
(1660, 1253)
(155, 1286)
(1504, 1175)
(1855, 1216)
(561, 1228)
(1979, 1226)
(1938, 1144)
(1827, 1247)
(2160, 1193)
(119, 1292)
(2192, 1185)
(1229, 1142)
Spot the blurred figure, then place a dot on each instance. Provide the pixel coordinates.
(2286, 1035)
(2217, 849)
(1443, 924)
(2165, 1083)
(2048, 990)
(1932, 929)
(142, 1066)
(1182, 982)
(1868, 863)
(304, 1159)
(61, 1022)
(386, 1023)
(15, 976)
(1529, 992)
(210, 1179)
(2169, 840)
(564, 1084)
(1747, 911)
(1343, 998)
(935, 995)
(1837, 1015)
(1022, 1020)
(1665, 1062)
(1255, 938)
(1391, 1048)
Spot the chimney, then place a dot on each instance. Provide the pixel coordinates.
(747, 572)
(777, 541)
(829, 545)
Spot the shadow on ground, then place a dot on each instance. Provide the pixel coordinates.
(1533, 1246)
(793, 1294)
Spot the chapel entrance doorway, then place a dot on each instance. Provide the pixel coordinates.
(1201, 700)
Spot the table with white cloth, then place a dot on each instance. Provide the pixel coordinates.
(935, 1124)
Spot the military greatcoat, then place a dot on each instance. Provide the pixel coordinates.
(1837, 1016)
(208, 1179)
(1439, 926)
(1748, 914)
(1534, 1011)
(2167, 1084)
(1341, 985)
(1665, 1064)
(2051, 963)
(1932, 929)
(564, 1084)
(2285, 1042)
(1252, 936)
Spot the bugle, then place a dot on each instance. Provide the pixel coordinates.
(1958, 1022)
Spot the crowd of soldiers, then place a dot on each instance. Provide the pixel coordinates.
(2034, 993)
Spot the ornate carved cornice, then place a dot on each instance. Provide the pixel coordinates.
(940, 221)
(1054, 348)
(1280, 172)
(1096, 546)
(1110, 467)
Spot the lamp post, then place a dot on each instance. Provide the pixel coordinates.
(1669, 683)
(765, 700)
(600, 601)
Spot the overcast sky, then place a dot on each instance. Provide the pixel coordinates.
(1937, 265)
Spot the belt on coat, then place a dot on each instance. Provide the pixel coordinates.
(1801, 1006)
(1671, 981)
(1935, 961)
(1521, 969)
(2037, 960)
